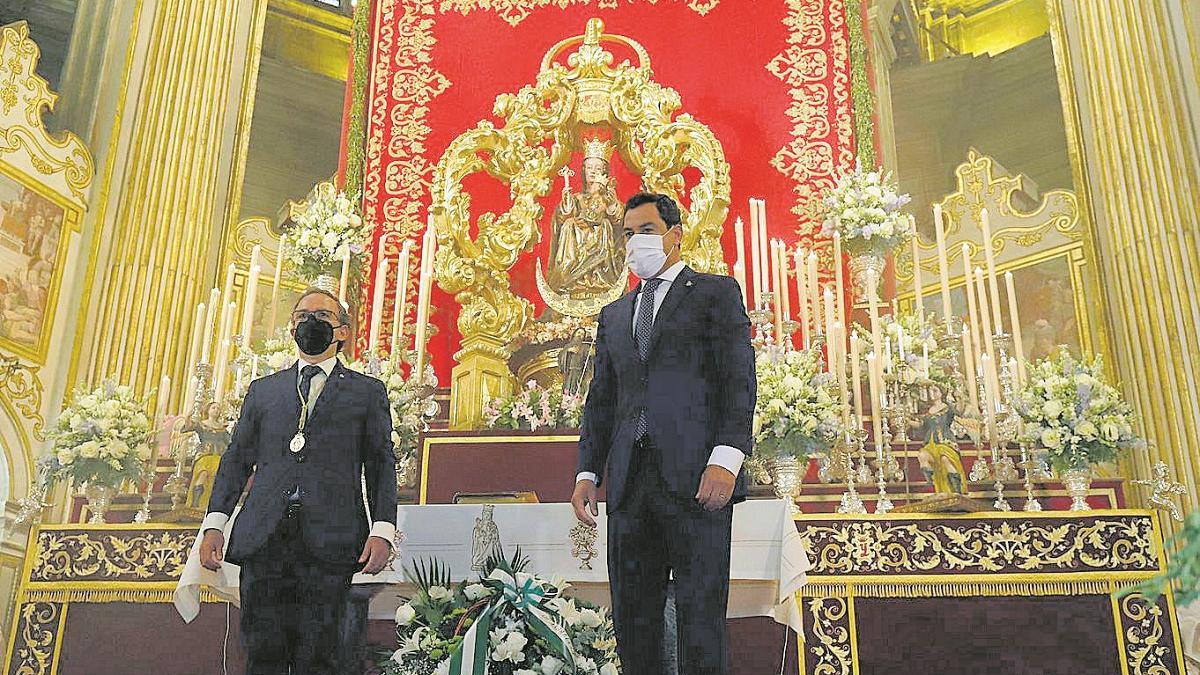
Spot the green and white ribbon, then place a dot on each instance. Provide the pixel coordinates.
(526, 596)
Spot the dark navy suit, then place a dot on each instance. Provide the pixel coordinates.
(697, 388)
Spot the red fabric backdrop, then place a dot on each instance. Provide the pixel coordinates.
(769, 78)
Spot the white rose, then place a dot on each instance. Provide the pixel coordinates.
(1110, 431)
(65, 457)
(118, 449)
(439, 593)
(110, 407)
(329, 242)
(1052, 438)
(405, 614)
(590, 618)
(609, 669)
(89, 450)
(551, 665)
(1087, 430)
(1052, 409)
(524, 671)
(475, 591)
(144, 452)
(793, 383)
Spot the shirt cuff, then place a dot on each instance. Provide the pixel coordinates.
(587, 475)
(214, 521)
(385, 531)
(727, 457)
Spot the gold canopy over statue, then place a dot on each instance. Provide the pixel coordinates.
(568, 106)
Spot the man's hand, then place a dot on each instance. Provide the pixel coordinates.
(212, 550)
(716, 488)
(375, 554)
(584, 502)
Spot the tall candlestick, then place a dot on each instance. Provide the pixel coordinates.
(985, 314)
(428, 247)
(916, 261)
(802, 294)
(968, 350)
(876, 416)
(275, 286)
(251, 301)
(197, 339)
(1014, 318)
(755, 255)
(761, 205)
(401, 299)
(943, 263)
(221, 366)
(990, 256)
(856, 377)
(830, 322)
(345, 278)
(876, 338)
(839, 361)
(814, 289)
(839, 285)
(227, 289)
(969, 289)
(381, 273)
(989, 396)
(779, 289)
(163, 396)
(739, 266)
(784, 294)
(227, 314)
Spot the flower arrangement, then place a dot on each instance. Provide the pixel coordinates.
(412, 403)
(546, 332)
(326, 232)
(275, 354)
(1074, 415)
(534, 408)
(915, 349)
(864, 207)
(102, 437)
(797, 413)
(523, 623)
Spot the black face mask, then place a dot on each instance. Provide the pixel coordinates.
(313, 336)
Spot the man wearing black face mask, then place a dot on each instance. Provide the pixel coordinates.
(309, 433)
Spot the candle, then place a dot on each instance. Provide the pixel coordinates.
(969, 289)
(781, 261)
(345, 279)
(739, 266)
(856, 377)
(839, 287)
(227, 321)
(802, 294)
(830, 322)
(755, 256)
(254, 368)
(275, 286)
(381, 273)
(985, 314)
(989, 400)
(814, 289)
(428, 248)
(401, 299)
(251, 301)
(197, 339)
(221, 366)
(1014, 318)
(876, 419)
(990, 256)
(968, 349)
(211, 317)
(943, 263)
(227, 290)
(779, 289)
(163, 396)
(916, 261)
(840, 366)
(761, 205)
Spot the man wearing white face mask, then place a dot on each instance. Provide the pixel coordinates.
(669, 415)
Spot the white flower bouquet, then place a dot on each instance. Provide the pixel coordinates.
(797, 412)
(411, 401)
(275, 354)
(522, 624)
(534, 408)
(1069, 411)
(102, 437)
(865, 208)
(547, 332)
(326, 232)
(915, 348)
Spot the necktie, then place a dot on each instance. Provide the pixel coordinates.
(641, 331)
(307, 373)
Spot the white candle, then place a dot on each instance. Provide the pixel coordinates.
(254, 368)
(839, 286)
(401, 299)
(990, 257)
(761, 205)
(779, 289)
(275, 286)
(1014, 318)
(916, 260)
(163, 396)
(943, 263)
(813, 288)
(856, 377)
(739, 265)
(211, 316)
(830, 322)
(781, 261)
(248, 309)
(197, 340)
(227, 290)
(968, 350)
(381, 273)
(985, 314)
(428, 248)
(342, 283)
(876, 417)
(755, 254)
(989, 396)
(227, 319)
(221, 367)
(969, 289)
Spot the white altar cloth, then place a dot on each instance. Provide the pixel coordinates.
(767, 563)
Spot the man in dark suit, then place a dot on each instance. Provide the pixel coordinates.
(669, 413)
(310, 434)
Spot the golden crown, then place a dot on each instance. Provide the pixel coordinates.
(598, 149)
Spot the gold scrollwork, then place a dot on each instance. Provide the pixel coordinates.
(40, 624)
(19, 383)
(74, 555)
(1148, 650)
(515, 11)
(564, 104)
(1018, 546)
(830, 644)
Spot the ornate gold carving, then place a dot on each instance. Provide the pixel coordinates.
(39, 627)
(830, 643)
(106, 555)
(652, 141)
(1148, 647)
(516, 11)
(19, 383)
(62, 162)
(981, 546)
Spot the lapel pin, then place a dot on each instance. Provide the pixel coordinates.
(689, 283)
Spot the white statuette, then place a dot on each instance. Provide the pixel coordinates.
(297, 443)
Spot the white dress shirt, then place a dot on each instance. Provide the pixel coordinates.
(382, 529)
(725, 456)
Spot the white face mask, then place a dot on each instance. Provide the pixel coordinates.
(645, 255)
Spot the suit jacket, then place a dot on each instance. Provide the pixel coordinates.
(697, 385)
(348, 434)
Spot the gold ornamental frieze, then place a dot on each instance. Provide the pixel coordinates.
(982, 546)
(108, 555)
(586, 106)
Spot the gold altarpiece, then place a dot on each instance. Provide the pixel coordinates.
(544, 125)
